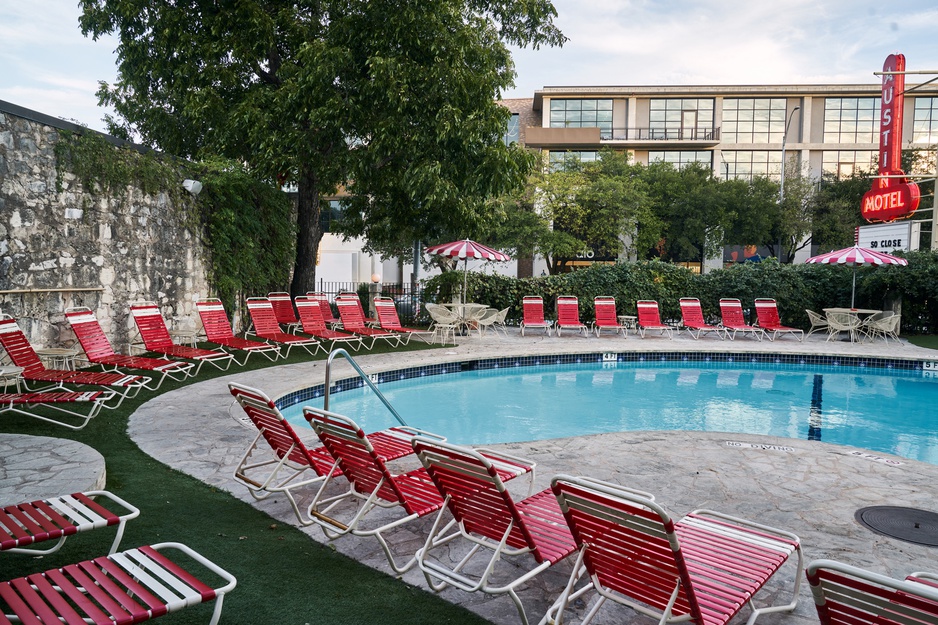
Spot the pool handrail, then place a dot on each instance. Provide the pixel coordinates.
(328, 384)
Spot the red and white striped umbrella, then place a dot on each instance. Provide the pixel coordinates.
(465, 250)
(856, 255)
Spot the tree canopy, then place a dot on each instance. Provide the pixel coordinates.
(393, 101)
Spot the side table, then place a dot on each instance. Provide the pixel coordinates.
(58, 357)
(11, 375)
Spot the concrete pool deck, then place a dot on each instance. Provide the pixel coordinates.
(810, 488)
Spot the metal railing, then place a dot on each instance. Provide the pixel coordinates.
(660, 134)
(328, 383)
(407, 298)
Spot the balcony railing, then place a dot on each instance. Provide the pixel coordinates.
(660, 134)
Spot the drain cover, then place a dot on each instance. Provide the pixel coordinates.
(909, 524)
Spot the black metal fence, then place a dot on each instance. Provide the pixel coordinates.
(407, 298)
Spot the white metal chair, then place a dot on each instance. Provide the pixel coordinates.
(818, 322)
(445, 323)
(838, 322)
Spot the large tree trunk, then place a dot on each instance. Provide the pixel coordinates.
(308, 234)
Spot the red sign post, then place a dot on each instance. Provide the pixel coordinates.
(891, 198)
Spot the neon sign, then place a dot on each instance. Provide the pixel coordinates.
(891, 198)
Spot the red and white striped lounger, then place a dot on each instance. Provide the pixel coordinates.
(568, 315)
(218, 330)
(23, 355)
(156, 339)
(702, 569)
(388, 320)
(36, 405)
(310, 311)
(649, 318)
(733, 320)
(847, 595)
(127, 587)
(283, 310)
(267, 327)
(353, 320)
(99, 351)
(56, 518)
(487, 520)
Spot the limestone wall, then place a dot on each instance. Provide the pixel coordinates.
(71, 248)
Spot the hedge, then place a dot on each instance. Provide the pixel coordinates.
(914, 288)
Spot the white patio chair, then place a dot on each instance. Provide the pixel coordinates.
(818, 322)
(486, 319)
(445, 323)
(838, 322)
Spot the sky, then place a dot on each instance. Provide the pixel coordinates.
(47, 65)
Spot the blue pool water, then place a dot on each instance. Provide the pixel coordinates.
(891, 412)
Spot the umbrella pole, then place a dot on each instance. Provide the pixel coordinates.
(465, 274)
(853, 292)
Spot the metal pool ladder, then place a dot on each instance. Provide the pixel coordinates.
(328, 383)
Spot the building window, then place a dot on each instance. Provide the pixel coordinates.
(753, 120)
(851, 120)
(559, 158)
(845, 163)
(582, 114)
(680, 158)
(747, 164)
(513, 132)
(925, 121)
(688, 118)
(329, 211)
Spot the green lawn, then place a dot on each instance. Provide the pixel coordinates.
(930, 341)
(284, 577)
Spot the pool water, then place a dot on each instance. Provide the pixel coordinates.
(890, 412)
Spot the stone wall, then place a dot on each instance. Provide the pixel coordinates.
(68, 248)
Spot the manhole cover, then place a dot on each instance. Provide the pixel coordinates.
(909, 524)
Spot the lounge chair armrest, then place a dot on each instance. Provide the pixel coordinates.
(498, 454)
(419, 432)
(230, 579)
(608, 487)
(745, 523)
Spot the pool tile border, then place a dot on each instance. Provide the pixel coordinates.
(783, 362)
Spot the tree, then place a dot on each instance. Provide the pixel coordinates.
(392, 100)
(795, 220)
(836, 210)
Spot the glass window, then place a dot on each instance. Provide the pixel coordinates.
(513, 132)
(753, 120)
(747, 164)
(851, 120)
(582, 113)
(844, 163)
(557, 158)
(679, 158)
(681, 118)
(329, 211)
(925, 121)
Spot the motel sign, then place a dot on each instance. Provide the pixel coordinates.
(894, 197)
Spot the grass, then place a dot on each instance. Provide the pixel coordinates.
(284, 577)
(929, 341)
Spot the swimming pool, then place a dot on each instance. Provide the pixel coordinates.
(882, 409)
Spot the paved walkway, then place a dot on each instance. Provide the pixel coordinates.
(810, 488)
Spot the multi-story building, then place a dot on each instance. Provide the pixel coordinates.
(737, 131)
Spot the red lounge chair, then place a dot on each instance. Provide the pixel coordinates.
(23, 355)
(487, 519)
(769, 321)
(127, 587)
(606, 317)
(568, 315)
(290, 463)
(56, 518)
(28, 403)
(693, 319)
(388, 320)
(267, 327)
(99, 351)
(311, 318)
(350, 311)
(156, 339)
(283, 310)
(703, 568)
(325, 308)
(650, 319)
(369, 321)
(846, 595)
(731, 310)
(533, 309)
(218, 331)
(372, 485)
